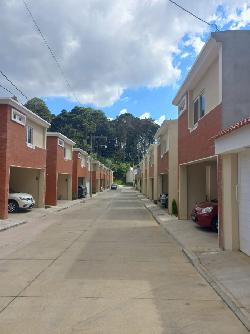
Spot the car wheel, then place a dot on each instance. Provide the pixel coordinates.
(215, 224)
(12, 206)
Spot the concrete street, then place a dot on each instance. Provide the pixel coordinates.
(104, 266)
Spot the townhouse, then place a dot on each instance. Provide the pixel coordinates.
(81, 171)
(59, 168)
(22, 153)
(167, 161)
(212, 98)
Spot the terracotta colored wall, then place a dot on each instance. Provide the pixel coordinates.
(77, 171)
(199, 143)
(162, 162)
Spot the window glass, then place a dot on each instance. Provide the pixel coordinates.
(202, 105)
(29, 135)
(196, 111)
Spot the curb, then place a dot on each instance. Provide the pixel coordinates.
(49, 210)
(225, 295)
(12, 225)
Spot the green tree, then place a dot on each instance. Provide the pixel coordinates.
(39, 107)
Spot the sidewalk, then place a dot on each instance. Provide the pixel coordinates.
(23, 217)
(227, 272)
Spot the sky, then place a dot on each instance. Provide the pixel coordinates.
(116, 55)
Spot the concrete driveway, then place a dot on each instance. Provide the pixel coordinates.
(104, 266)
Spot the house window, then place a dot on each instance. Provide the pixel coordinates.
(60, 142)
(29, 136)
(199, 108)
(17, 117)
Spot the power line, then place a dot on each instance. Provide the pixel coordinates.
(7, 90)
(19, 90)
(52, 53)
(197, 17)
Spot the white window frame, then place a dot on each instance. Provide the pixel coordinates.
(30, 144)
(21, 117)
(198, 98)
(60, 142)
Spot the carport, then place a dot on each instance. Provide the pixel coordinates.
(198, 183)
(30, 181)
(64, 186)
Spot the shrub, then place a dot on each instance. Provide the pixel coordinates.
(174, 208)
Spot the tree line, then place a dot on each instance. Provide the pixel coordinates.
(117, 143)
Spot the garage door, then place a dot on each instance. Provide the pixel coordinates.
(244, 200)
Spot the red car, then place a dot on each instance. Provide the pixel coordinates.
(205, 214)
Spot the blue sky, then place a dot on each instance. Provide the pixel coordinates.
(132, 59)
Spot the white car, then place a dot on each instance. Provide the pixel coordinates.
(20, 201)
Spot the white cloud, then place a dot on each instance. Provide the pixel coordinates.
(145, 115)
(110, 118)
(104, 47)
(123, 111)
(240, 19)
(185, 55)
(196, 42)
(160, 120)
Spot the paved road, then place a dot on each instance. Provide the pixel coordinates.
(104, 267)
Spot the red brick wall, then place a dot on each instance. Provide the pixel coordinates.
(199, 143)
(51, 171)
(162, 162)
(78, 171)
(18, 153)
(4, 169)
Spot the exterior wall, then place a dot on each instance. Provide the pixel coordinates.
(235, 74)
(229, 222)
(39, 134)
(199, 143)
(56, 164)
(162, 162)
(4, 168)
(173, 164)
(51, 171)
(78, 170)
(209, 83)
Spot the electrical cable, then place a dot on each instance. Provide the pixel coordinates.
(7, 90)
(52, 53)
(19, 90)
(197, 17)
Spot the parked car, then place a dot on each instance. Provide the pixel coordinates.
(18, 201)
(164, 200)
(82, 191)
(113, 186)
(205, 214)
